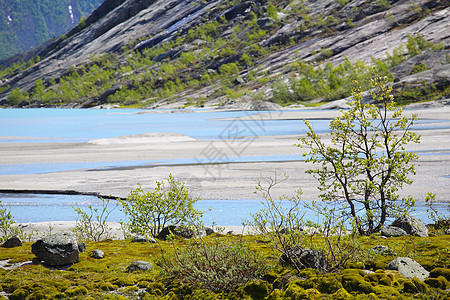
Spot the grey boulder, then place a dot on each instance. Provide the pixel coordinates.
(408, 268)
(411, 225)
(142, 239)
(392, 231)
(139, 265)
(175, 230)
(12, 242)
(304, 258)
(98, 254)
(57, 249)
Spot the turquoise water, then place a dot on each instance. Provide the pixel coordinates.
(44, 207)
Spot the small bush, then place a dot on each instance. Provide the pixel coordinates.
(217, 266)
(7, 229)
(93, 225)
(150, 212)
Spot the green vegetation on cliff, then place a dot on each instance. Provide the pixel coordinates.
(25, 24)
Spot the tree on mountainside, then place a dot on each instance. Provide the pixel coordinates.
(365, 163)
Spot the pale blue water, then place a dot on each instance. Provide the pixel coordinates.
(81, 125)
(78, 125)
(44, 207)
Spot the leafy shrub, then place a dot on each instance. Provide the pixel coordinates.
(282, 223)
(149, 212)
(93, 225)
(217, 265)
(7, 229)
(367, 162)
(419, 68)
(16, 97)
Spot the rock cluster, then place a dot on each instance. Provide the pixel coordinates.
(405, 225)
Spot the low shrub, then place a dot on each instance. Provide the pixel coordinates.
(216, 265)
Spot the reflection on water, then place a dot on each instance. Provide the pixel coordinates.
(43, 207)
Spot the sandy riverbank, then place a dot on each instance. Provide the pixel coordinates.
(34, 231)
(213, 172)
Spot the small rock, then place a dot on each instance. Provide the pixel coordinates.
(392, 231)
(142, 239)
(82, 247)
(209, 230)
(408, 268)
(382, 250)
(304, 258)
(98, 254)
(175, 230)
(12, 242)
(238, 81)
(139, 265)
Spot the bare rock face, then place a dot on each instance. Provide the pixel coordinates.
(362, 30)
(57, 249)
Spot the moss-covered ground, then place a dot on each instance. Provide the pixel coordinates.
(108, 278)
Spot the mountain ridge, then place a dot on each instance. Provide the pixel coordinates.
(257, 37)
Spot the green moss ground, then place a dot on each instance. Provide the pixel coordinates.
(108, 278)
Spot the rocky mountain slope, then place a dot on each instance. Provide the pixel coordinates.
(169, 53)
(25, 24)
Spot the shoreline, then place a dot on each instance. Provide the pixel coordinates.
(35, 230)
(214, 178)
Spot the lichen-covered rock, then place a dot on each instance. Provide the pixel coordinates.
(411, 225)
(57, 249)
(98, 254)
(392, 231)
(304, 258)
(382, 250)
(408, 268)
(12, 242)
(139, 265)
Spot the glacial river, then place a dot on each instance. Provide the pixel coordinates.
(81, 125)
